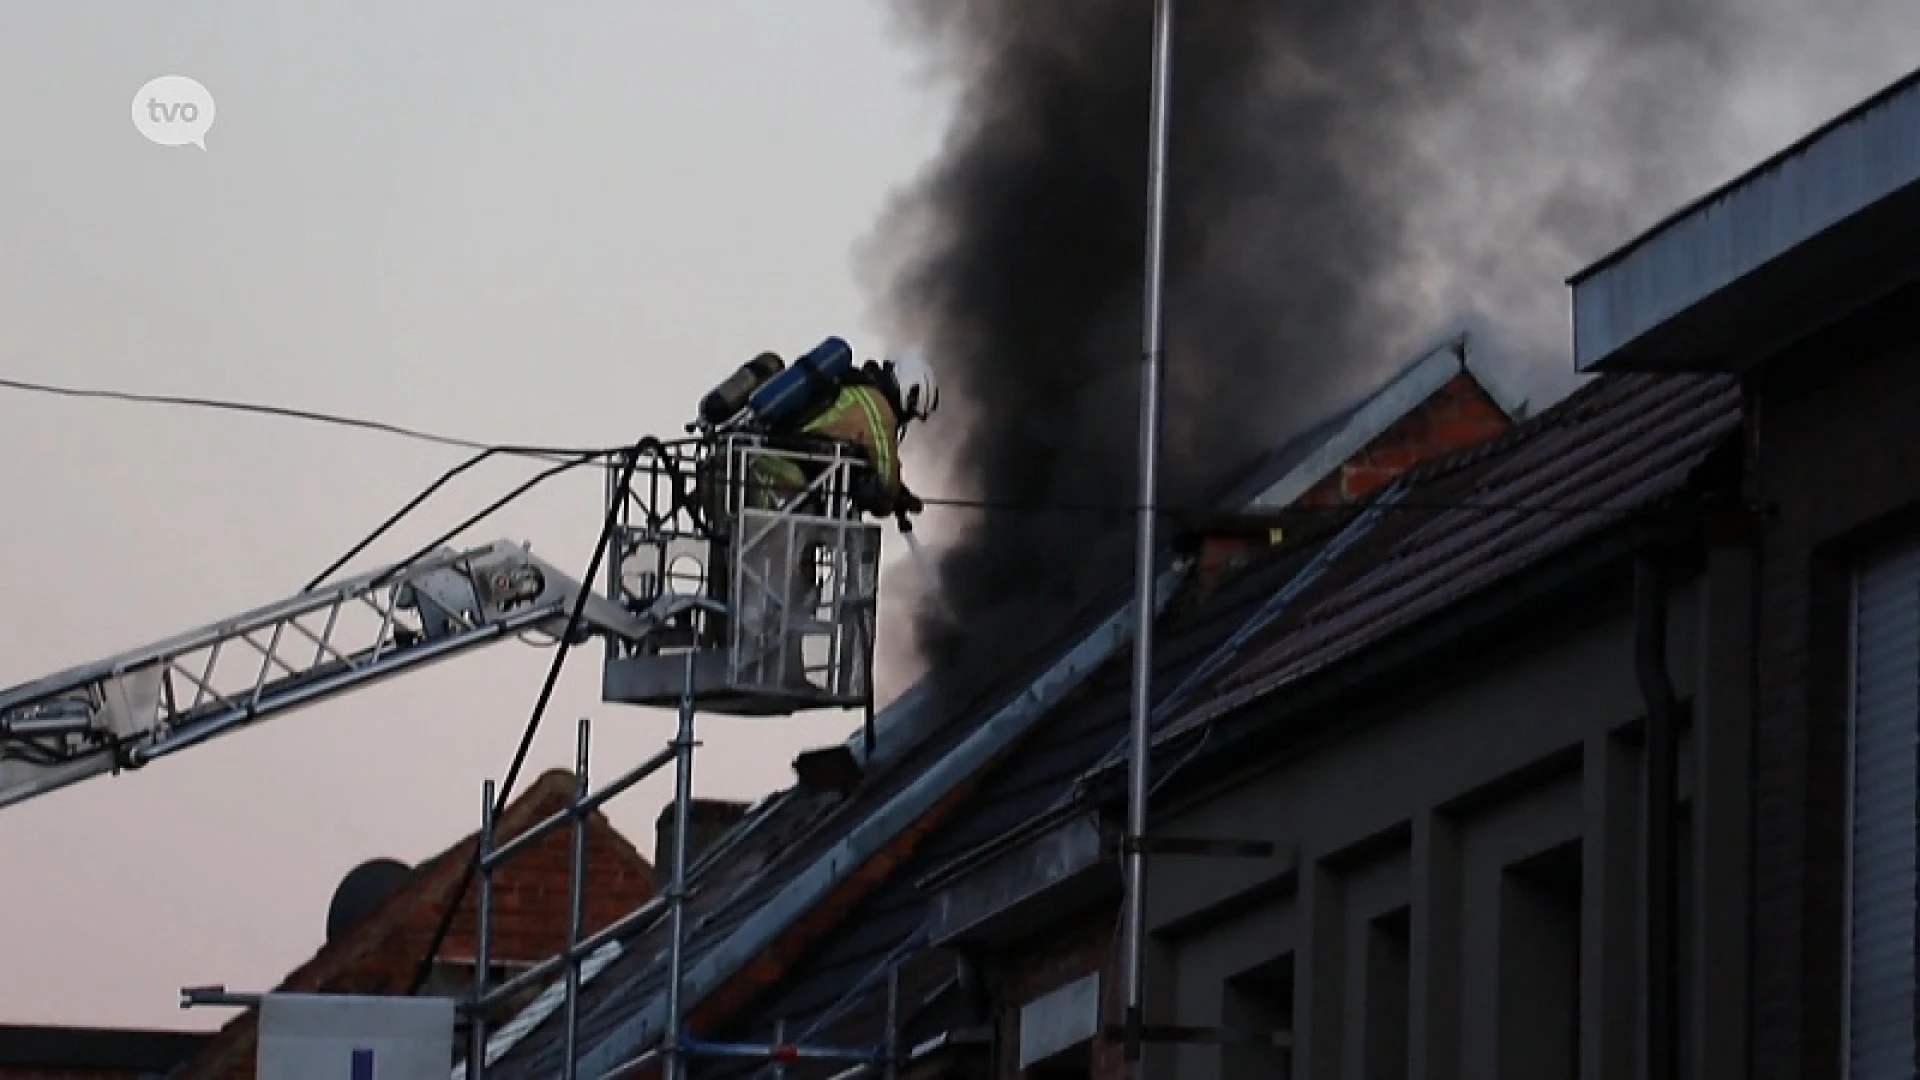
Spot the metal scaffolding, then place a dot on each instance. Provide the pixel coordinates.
(679, 1048)
(771, 594)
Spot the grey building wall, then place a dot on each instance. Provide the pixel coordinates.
(1461, 892)
(1837, 460)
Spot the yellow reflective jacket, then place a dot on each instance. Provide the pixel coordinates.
(861, 416)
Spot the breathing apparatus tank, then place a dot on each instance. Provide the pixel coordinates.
(793, 396)
(725, 401)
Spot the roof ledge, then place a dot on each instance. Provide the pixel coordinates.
(1020, 889)
(1809, 236)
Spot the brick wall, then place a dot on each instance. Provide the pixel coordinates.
(531, 898)
(1838, 453)
(1458, 415)
(1067, 952)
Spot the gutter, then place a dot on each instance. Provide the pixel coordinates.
(616, 1049)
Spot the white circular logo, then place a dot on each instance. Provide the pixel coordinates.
(174, 110)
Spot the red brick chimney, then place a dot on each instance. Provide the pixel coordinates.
(1458, 414)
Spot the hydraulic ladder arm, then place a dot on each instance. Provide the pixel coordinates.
(127, 710)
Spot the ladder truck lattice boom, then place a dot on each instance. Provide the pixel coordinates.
(127, 710)
(768, 603)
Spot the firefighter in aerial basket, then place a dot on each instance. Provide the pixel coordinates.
(822, 396)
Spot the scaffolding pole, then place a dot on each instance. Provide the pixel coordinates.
(1152, 335)
(576, 899)
(678, 1047)
(579, 945)
(477, 1019)
(682, 803)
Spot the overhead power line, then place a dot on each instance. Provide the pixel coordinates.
(1166, 509)
(573, 456)
(489, 510)
(286, 412)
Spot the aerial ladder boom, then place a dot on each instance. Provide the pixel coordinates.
(127, 710)
(750, 606)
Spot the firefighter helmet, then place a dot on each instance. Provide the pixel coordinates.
(919, 393)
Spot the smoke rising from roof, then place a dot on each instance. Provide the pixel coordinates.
(1344, 179)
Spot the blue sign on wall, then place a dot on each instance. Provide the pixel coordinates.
(362, 1065)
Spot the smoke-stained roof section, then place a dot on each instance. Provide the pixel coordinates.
(1027, 286)
(1818, 227)
(1342, 178)
(1619, 446)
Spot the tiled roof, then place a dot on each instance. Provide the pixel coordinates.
(1615, 448)
(1619, 444)
(836, 994)
(379, 952)
(742, 874)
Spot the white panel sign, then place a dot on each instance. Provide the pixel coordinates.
(330, 1037)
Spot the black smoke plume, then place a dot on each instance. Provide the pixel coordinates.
(1344, 179)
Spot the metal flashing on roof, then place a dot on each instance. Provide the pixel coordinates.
(1015, 891)
(1863, 165)
(637, 1032)
(1420, 380)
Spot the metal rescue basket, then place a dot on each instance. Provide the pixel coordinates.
(762, 574)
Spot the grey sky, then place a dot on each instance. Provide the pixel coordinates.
(507, 221)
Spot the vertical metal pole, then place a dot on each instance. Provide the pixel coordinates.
(577, 901)
(615, 497)
(780, 1039)
(1144, 569)
(891, 1044)
(682, 805)
(477, 1023)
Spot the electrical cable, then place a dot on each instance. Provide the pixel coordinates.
(446, 477)
(552, 453)
(1118, 509)
(567, 638)
(285, 412)
(1442, 506)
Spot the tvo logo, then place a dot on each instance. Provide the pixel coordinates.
(173, 110)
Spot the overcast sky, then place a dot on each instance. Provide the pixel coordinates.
(551, 223)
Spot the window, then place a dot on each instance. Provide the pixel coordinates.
(1540, 966)
(1383, 1046)
(1881, 812)
(1260, 1000)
